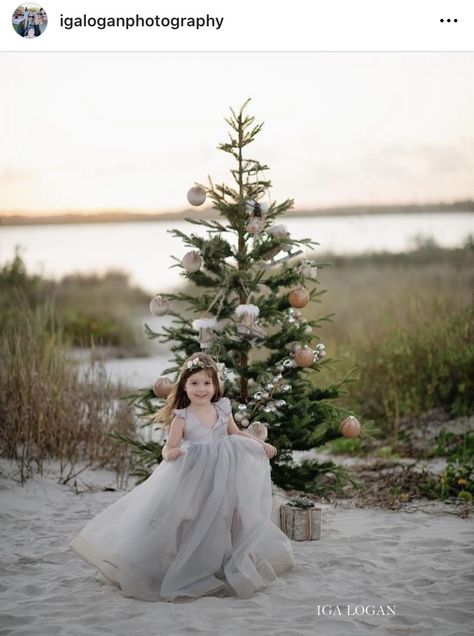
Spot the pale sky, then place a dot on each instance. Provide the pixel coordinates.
(133, 132)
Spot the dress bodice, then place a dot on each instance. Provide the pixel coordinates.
(196, 431)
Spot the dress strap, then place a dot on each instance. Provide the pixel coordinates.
(181, 412)
(223, 406)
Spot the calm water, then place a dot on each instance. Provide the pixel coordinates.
(144, 249)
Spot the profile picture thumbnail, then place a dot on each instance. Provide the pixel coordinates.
(29, 20)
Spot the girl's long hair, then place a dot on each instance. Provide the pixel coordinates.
(178, 398)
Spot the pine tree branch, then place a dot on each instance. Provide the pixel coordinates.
(215, 226)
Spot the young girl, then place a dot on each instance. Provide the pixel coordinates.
(200, 524)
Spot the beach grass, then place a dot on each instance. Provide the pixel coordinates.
(51, 409)
(404, 325)
(91, 309)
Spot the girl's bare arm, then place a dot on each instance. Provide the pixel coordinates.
(233, 429)
(170, 450)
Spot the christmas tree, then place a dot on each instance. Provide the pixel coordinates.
(250, 288)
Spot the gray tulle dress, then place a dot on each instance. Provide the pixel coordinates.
(199, 525)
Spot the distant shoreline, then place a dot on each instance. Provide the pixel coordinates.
(209, 213)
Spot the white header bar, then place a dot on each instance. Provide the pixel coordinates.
(246, 25)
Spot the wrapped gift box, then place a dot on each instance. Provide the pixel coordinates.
(301, 524)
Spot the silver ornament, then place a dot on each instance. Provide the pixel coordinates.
(308, 329)
(196, 195)
(269, 387)
(192, 261)
(238, 417)
(280, 403)
(267, 409)
(242, 407)
(286, 387)
(159, 306)
(245, 422)
(295, 346)
(257, 396)
(256, 225)
(265, 395)
(280, 368)
(287, 363)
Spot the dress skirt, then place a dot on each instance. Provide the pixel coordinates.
(198, 525)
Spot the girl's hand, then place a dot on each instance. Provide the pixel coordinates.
(171, 454)
(270, 450)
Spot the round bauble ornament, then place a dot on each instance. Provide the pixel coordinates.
(159, 306)
(295, 346)
(245, 422)
(258, 430)
(162, 387)
(255, 225)
(304, 357)
(192, 261)
(298, 297)
(350, 427)
(308, 329)
(196, 195)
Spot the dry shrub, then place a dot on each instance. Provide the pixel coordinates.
(49, 409)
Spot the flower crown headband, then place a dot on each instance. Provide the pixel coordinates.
(197, 363)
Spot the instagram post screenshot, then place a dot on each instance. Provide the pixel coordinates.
(236, 318)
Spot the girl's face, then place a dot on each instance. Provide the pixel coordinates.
(199, 388)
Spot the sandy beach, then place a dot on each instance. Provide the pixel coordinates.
(367, 560)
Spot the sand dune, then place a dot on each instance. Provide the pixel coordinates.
(419, 563)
